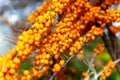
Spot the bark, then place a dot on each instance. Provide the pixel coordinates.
(111, 43)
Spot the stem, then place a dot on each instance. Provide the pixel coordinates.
(115, 62)
(90, 68)
(66, 62)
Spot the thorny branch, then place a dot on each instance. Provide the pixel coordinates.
(116, 62)
(69, 59)
(97, 74)
(90, 64)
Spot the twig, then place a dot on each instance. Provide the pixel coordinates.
(90, 68)
(70, 58)
(115, 62)
(11, 41)
(66, 62)
(89, 64)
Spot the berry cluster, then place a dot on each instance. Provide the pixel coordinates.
(107, 3)
(107, 70)
(58, 27)
(114, 29)
(99, 49)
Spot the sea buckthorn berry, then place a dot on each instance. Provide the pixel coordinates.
(13, 65)
(12, 71)
(28, 77)
(30, 41)
(51, 62)
(26, 72)
(20, 37)
(16, 60)
(62, 62)
(46, 61)
(59, 27)
(81, 52)
(85, 74)
(56, 56)
(7, 77)
(40, 74)
(1, 74)
(45, 68)
(35, 72)
(93, 37)
(57, 67)
(52, 13)
(47, 56)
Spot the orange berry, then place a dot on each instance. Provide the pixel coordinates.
(20, 37)
(1, 74)
(56, 56)
(26, 72)
(7, 77)
(46, 61)
(13, 65)
(52, 13)
(12, 71)
(62, 62)
(85, 74)
(47, 56)
(57, 67)
(93, 37)
(28, 77)
(51, 62)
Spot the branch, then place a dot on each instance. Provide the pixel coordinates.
(90, 65)
(66, 62)
(115, 62)
(112, 46)
(108, 46)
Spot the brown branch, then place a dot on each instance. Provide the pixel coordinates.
(112, 45)
(66, 62)
(69, 59)
(116, 49)
(11, 41)
(108, 45)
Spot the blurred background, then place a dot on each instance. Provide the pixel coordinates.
(13, 14)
